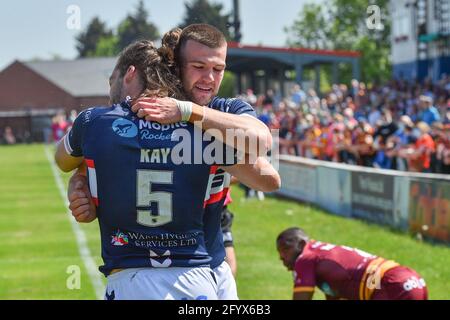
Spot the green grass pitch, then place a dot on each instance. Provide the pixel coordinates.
(38, 244)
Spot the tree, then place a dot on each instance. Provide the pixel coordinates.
(107, 47)
(343, 26)
(87, 40)
(201, 11)
(135, 26)
(227, 88)
(311, 29)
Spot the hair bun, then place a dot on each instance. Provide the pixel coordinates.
(168, 44)
(166, 55)
(171, 38)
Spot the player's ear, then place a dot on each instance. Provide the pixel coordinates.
(301, 244)
(130, 74)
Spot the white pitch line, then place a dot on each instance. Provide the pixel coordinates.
(83, 248)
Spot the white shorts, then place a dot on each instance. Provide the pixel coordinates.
(226, 285)
(162, 284)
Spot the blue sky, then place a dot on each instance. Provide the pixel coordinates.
(37, 29)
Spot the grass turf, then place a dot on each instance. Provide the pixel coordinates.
(38, 244)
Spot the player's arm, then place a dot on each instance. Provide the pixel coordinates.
(260, 176)
(165, 110)
(65, 161)
(234, 180)
(69, 153)
(69, 156)
(229, 125)
(81, 204)
(305, 277)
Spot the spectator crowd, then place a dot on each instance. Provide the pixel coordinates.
(399, 125)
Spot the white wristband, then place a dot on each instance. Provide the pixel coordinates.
(185, 108)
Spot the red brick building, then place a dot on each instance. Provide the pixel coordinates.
(32, 92)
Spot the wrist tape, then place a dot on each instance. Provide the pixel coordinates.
(185, 108)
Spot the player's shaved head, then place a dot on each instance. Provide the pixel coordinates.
(202, 33)
(290, 244)
(206, 34)
(292, 237)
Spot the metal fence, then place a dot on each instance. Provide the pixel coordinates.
(28, 125)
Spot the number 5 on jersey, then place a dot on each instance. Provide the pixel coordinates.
(160, 201)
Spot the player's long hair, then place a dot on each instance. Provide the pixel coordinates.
(156, 68)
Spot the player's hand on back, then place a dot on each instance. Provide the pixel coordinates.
(81, 203)
(162, 110)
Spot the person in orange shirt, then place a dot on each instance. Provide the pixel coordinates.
(419, 158)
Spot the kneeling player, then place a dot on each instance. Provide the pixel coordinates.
(345, 273)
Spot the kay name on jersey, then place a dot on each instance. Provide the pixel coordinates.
(181, 154)
(159, 155)
(184, 144)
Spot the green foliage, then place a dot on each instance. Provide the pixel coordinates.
(202, 11)
(325, 78)
(376, 67)
(345, 73)
(135, 27)
(107, 46)
(227, 88)
(310, 29)
(341, 24)
(87, 40)
(347, 22)
(99, 41)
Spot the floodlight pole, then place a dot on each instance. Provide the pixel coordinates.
(236, 22)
